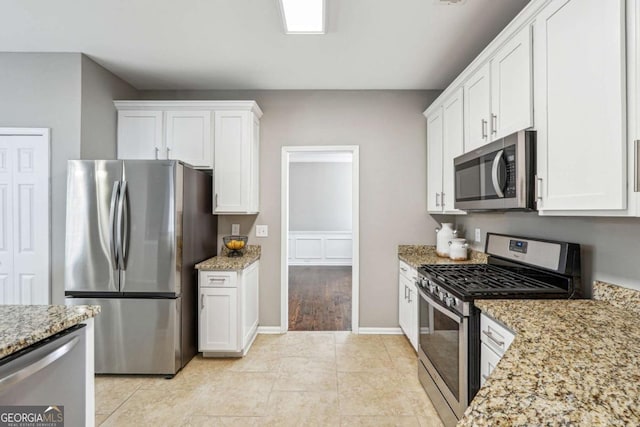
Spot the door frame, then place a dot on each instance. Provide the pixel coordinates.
(45, 134)
(284, 228)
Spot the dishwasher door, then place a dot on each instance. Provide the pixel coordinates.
(50, 373)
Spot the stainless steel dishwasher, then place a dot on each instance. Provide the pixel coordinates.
(51, 372)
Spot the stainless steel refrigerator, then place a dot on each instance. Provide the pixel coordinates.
(135, 230)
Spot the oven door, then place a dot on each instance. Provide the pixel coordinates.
(443, 352)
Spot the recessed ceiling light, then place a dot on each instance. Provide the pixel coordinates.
(303, 16)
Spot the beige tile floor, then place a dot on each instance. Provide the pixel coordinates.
(296, 379)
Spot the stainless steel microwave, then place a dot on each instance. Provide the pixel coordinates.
(497, 176)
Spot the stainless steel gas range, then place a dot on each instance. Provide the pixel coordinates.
(449, 343)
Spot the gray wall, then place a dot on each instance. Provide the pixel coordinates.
(73, 96)
(610, 246)
(320, 196)
(98, 114)
(43, 90)
(391, 132)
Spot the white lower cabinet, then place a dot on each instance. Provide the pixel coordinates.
(495, 339)
(408, 303)
(228, 311)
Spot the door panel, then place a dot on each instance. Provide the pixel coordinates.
(24, 219)
(89, 261)
(219, 319)
(477, 106)
(434, 161)
(140, 135)
(136, 336)
(150, 261)
(452, 146)
(189, 137)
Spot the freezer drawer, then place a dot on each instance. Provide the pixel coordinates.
(51, 373)
(136, 336)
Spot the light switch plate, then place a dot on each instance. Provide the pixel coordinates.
(262, 230)
(478, 238)
(235, 229)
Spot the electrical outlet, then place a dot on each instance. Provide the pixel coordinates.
(478, 238)
(262, 230)
(235, 229)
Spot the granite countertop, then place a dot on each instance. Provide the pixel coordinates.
(23, 325)
(573, 362)
(224, 263)
(416, 255)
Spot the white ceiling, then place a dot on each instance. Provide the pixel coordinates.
(240, 44)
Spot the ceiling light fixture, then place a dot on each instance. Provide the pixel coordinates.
(303, 16)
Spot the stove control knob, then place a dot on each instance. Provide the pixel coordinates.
(443, 295)
(450, 301)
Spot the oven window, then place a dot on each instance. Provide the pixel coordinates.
(440, 341)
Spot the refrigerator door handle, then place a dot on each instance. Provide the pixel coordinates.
(122, 227)
(112, 226)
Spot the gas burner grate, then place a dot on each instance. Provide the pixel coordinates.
(484, 279)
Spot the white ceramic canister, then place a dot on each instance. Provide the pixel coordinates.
(458, 249)
(443, 235)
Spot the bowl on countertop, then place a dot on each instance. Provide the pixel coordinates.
(235, 244)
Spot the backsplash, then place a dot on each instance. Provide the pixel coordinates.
(608, 245)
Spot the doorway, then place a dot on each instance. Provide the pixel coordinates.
(320, 238)
(24, 216)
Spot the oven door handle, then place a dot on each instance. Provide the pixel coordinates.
(494, 174)
(450, 314)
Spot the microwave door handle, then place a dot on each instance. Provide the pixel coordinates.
(494, 174)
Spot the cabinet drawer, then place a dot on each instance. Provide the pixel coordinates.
(488, 361)
(496, 336)
(218, 279)
(407, 271)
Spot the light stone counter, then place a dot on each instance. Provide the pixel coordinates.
(416, 255)
(225, 263)
(24, 325)
(573, 362)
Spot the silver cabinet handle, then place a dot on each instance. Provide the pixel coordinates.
(494, 124)
(494, 174)
(484, 129)
(157, 152)
(38, 365)
(409, 296)
(168, 149)
(112, 225)
(538, 189)
(442, 199)
(202, 301)
(494, 339)
(636, 162)
(405, 291)
(437, 199)
(216, 200)
(403, 269)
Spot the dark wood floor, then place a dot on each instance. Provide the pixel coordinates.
(319, 298)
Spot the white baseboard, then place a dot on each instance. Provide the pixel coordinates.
(380, 331)
(269, 330)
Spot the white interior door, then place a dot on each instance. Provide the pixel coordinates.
(24, 216)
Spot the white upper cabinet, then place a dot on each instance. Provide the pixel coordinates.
(140, 134)
(203, 134)
(189, 138)
(511, 86)
(580, 105)
(452, 147)
(434, 161)
(236, 163)
(477, 109)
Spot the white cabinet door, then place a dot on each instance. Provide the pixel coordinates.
(580, 105)
(188, 137)
(403, 307)
(511, 86)
(452, 146)
(412, 317)
(233, 138)
(140, 135)
(218, 319)
(250, 280)
(477, 105)
(488, 362)
(434, 161)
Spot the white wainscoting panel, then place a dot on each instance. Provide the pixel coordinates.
(320, 248)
